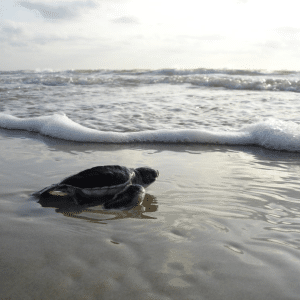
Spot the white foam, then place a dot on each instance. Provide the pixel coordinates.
(271, 134)
(216, 78)
(275, 134)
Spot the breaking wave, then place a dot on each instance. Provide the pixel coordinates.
(270, 134)
(256, 80)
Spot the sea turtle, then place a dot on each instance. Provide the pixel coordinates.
(112, 186)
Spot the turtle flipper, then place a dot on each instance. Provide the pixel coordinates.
(45, 190)
(58, 190)
(128, 198)
(65, 190)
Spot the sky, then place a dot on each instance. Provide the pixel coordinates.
(149, 34)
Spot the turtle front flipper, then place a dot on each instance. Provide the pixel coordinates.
(128, 198)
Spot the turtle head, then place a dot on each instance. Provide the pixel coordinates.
(145, 176)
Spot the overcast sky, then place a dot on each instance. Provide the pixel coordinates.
(149, 34)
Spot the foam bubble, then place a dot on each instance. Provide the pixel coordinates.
(275, 134)
(271, 134)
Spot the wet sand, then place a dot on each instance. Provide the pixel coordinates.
(219, 223)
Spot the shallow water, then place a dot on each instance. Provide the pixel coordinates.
(220, 223)
(132, 100)
(232, 107)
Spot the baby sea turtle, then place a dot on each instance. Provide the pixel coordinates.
(113, 186)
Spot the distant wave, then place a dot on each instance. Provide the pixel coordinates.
(220, 78)
(168, 72)
(271, 134)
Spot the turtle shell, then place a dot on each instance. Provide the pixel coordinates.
(98, 181)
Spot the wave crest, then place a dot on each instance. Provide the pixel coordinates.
(270, 134)
(229, 79)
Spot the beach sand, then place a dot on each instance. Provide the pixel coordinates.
(219, 223)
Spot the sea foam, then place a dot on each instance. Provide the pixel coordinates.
(285, 81)
(270, 134)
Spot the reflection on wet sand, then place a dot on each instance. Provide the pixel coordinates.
(96, 213)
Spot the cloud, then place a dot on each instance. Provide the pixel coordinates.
(126, 20)
(288, 45)
(271, 44)
(48, 11)
(12, 35)
(201, 38)
(288, 32)
(51, 12)
(206, 37)
(66, 40)
(9, 30)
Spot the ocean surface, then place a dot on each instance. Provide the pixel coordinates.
(222, 221)
(234, 107)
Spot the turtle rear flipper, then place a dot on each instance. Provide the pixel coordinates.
(45, 190)
(57, 191)
(128, 198)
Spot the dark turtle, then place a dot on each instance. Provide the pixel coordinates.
(113, 186)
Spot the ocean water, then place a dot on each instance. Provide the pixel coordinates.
(172, 106)
(220, 222)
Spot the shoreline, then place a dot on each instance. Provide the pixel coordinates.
(265, 134)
